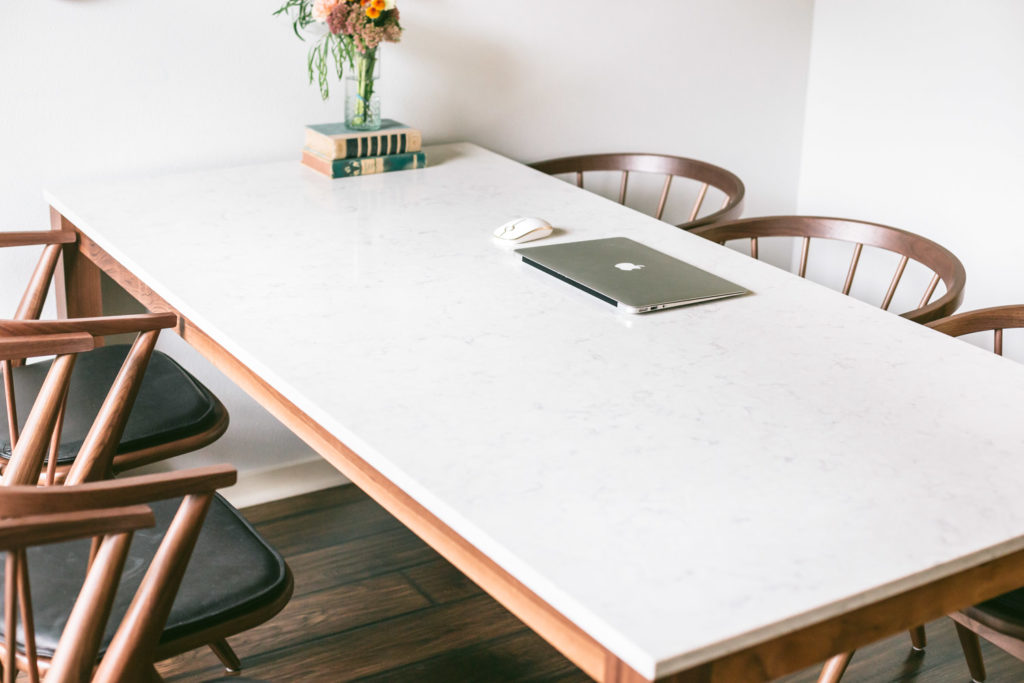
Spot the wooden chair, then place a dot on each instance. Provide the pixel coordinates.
(216, 598)
(174, 413)
(708, 175)
(939, 260)
(1001, 619)
(107, 513)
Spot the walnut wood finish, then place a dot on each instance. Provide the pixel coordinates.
(32, 345)
(83, 275)
(136, 643)
(28, 238)
(107, 511)
(995, 320)
(765, 661)
(80, 641)
(707, 174)
(908, 245)
(79, 276)
(97, 327)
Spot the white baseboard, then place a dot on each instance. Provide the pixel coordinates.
(274, 483)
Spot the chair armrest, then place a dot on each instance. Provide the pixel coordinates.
(39, 529)
(28, 238)
(28, 500)
(34, 345)
(98, 326)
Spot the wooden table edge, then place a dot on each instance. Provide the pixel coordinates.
(765, 661)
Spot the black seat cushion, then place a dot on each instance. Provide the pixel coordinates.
(233, 571)
(171, 403)
(1004, 613)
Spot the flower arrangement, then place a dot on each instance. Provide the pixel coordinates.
(355, 28)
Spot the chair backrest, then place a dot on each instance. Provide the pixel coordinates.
(707, 175)
(53, 242)
(944, 266)
(995, 320)
(80, 642)
(106, 511)
(23, 339)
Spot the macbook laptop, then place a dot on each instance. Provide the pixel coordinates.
(629, 275)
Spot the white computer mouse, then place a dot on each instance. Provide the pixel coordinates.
(523, 229)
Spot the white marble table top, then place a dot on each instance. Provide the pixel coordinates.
(681, 484)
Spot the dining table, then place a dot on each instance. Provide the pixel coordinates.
(727, 491)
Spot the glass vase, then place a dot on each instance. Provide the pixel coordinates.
(362, 103)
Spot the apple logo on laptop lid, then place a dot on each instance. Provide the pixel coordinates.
(628, 266)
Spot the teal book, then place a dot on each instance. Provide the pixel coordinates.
(338, 141)
(344, 168)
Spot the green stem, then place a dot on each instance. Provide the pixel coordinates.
(365, 63)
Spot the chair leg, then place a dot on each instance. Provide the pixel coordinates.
(917, 638)
(972, 652)
(835, 667)
(226, 655)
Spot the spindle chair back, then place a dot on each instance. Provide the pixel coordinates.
(994, 320)
(106, 512)
(204, 421)
(944, 266)
(140, 640)
(706, 176)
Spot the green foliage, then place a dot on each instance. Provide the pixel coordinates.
(327, 48)
(303, 14)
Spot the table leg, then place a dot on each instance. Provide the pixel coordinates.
(78, 281)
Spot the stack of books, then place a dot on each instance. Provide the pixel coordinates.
(337, 151)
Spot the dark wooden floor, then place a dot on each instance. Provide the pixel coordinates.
(373, 603)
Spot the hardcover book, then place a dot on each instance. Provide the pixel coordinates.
(338, 141)
(343, 168)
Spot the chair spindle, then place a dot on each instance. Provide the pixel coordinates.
(27, 619)
(12, 411)
(58, 428)
(700, 200)
(895, 281)
(928, 292)
(148, 611)
(27, 459)
(97, 449)
(664, 196)
(804, 250)
(853, 267)
(10, 623)
(753, 247)
(579, 179)
(31, 305)
(997, 344)
(622, 187)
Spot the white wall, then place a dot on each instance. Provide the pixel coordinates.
(914, 120)
(110, 88)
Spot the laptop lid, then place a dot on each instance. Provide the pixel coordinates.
(628, 274)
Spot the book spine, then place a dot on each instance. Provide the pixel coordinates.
(343, 168)
(379, 144)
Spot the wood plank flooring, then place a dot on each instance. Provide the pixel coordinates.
(373, 603)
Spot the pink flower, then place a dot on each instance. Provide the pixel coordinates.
(323, 8)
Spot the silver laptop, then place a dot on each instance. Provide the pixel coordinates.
(629, 275)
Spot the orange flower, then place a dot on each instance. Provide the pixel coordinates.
(379, 4)
(372, 11)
